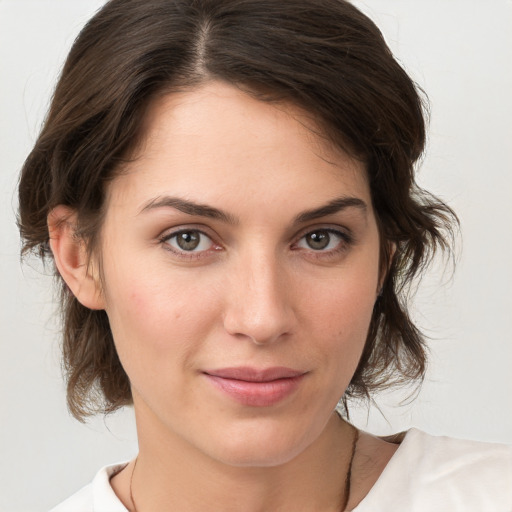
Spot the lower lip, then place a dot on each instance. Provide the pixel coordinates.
(257, 394)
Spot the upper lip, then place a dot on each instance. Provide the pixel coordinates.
(250, 374)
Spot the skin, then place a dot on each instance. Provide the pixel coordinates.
(254, 292)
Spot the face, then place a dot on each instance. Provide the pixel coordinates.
(240, 261)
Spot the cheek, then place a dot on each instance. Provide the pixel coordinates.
(150, 316)
(344, 304)
(347, 323)
(339, 315)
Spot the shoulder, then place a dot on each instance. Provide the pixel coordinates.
(459, 463)
(458, 454)
(441, 473)
(98, 496)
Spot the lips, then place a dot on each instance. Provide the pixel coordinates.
(256, 387)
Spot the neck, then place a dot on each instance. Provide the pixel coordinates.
(173, 475)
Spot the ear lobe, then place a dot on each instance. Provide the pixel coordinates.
(71, 258)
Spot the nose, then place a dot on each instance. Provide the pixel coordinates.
(260, 301)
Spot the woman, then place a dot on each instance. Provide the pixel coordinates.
(227, 191)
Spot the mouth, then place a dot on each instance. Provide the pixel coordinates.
(256, 387)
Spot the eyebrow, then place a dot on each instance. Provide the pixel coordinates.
(190, 208)
(332, 207)
(202, 210)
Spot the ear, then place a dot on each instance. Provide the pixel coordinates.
(71, 258)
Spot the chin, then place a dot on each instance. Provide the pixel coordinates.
(263, 445)
(271, 457)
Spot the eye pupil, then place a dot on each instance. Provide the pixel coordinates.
(188, 240)
(318, 240)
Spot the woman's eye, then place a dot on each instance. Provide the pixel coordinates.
(322, 240)
(190, 240)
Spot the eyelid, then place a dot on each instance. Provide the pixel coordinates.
(170, 233)
(180, 228)
(344, 234)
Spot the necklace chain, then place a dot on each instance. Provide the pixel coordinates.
(131, 482)
(348, 478)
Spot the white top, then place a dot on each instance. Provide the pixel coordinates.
(426, 474)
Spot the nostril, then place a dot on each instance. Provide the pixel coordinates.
(258, 328)
(258, 303)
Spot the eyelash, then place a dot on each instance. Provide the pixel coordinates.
(188, 255)
(345, 241)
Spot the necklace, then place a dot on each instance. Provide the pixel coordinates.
(348, 478)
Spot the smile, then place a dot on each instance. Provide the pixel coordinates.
(256, 388)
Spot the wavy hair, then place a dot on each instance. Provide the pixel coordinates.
(324, 56)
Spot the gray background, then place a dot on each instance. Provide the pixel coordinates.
(460, 52)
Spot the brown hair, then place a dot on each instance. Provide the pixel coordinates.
(324, 56)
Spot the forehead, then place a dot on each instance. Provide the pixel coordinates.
(217, 142)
